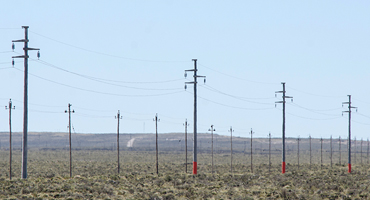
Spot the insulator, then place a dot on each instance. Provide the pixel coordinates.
(13, 62)
(204, 80)
(38, 55)
(292, 99)
(13, 46)
(275, 105)
(275, 95)
(185, 87)
(185, 75)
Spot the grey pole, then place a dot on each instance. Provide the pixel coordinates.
(186, 145)
(310, 152)
(231, 148)
(10, 137)
(251, 151)
(361, 150)
(156, 141)
(212, 129)
(349, 130)
(283, 137)
(25, 98)
(70, 139)
(118, 117)
(195, 113)
(269, 152)
(331, 151)
(321, 152)
(340, 151)
(298, 150)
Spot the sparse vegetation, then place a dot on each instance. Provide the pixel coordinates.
(95, 176)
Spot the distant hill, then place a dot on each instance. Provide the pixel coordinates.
(166, 142)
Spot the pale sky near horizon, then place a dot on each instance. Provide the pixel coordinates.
(104, 56)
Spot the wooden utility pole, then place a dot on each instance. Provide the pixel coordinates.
(349, 129)
(195, 70)
(25, 97)
(283, 137)
(70, 140)
(231, 148)
(212, 129)
(186, 145)
(251, 151)
(156, 141)
(118, 117)
(10, 137)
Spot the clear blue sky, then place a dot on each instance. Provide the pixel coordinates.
(104, 56)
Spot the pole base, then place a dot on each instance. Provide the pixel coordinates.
(283, 168)
(195, 167)
(349, 168)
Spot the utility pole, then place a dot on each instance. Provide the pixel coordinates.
(269, 152)
(340, 151)
(349, 129)
(331, 151)
(298, 150)
(156, 141)
(251, 151)
(10, 137)
(25, 97)
(70, 140)
(361, 150)
(118, 117)
(321, 152)
(310, 152)
(355, 151)
(367, 155)
(212, 129)
(195, 70)
(231, 147)
(283, 102)
(186, 145)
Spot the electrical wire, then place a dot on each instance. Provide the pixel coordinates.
(235, 97)
(362, 115)
(318, 95)
(105, 54)
(237, 77)
(101, 80)
(315, 111)
(99, 92)
(236, 107)
(361, 123)
(5, 51)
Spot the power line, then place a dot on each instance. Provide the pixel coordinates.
(98, 92)
(315, 111)
(105, 54)
(106, 81)
(233, 96)
(236, 107)
(318, 95)
(237, 77)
